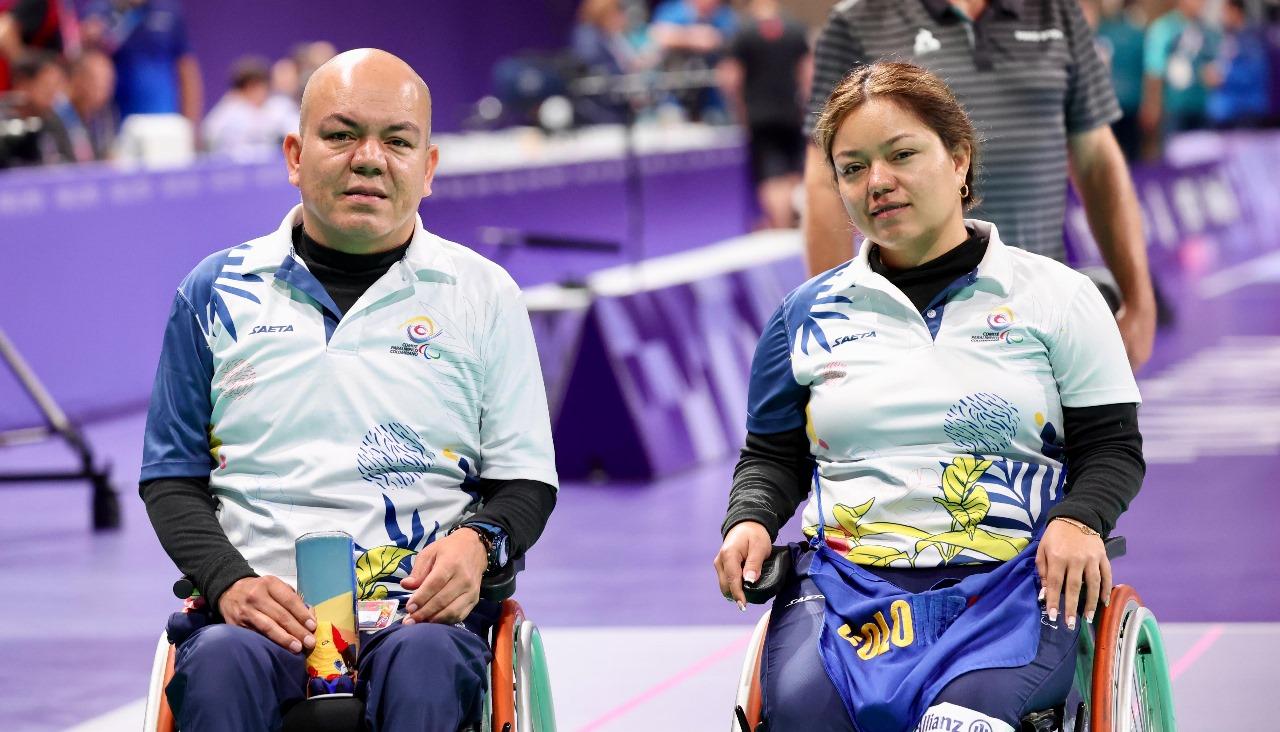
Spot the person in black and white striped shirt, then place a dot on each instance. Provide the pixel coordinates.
(1028, 74)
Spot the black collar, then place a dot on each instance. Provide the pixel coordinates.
(939, 8)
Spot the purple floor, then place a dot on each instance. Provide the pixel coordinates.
(81, 611)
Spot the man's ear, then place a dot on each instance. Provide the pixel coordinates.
(293, 156)
(433, 159)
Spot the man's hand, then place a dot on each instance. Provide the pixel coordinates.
(1138, 330)
(1068, 559)
(446, 578)
(272, 608)
(741, 556)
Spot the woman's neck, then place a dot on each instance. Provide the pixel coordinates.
(928, 248)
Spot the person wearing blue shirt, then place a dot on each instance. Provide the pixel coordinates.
(1241, 76)
(691, 34)
(156, 71)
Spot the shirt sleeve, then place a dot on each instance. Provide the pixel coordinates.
(176, 441)
(1156, 46)
(515, 427)
(837, 52)
(1091, 99)
(1087, 355)
(776, 402)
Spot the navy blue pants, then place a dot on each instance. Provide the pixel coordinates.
(798, 694)
(417, 677)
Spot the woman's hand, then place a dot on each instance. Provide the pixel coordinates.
(1068, 558)
(741, 556)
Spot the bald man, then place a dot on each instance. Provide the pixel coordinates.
(348, 371)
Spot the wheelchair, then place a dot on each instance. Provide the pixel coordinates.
(518, 698)
(1122, 675)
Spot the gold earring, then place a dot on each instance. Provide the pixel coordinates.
(964, 191)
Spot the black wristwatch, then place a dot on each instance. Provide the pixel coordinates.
(495, 543)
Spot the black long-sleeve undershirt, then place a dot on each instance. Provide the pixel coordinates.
(183, 511)
(1104, 459)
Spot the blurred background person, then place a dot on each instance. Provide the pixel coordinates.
(691, 35)
(1178, 49)
(33, 25)
(86, 111)
(156, 71)
(1240, 78)
(1121, 28)
(38, 83)
(603, 45)
(766, 75)
(243, 124)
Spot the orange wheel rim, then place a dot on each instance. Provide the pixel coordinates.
(1107, 641)
(502, 670)
(164, 720)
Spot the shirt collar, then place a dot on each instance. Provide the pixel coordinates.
(995, 267)
(426, 256)
(938, 8)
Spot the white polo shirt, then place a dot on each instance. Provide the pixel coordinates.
(938, 438)
(377, 422)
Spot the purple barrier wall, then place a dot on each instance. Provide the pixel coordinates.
(453, 45)
(658, 384)
(1219, 203)
(92, 256)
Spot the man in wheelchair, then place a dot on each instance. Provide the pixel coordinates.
(349, 371)
(933, 391)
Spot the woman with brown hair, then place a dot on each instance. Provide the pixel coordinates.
(932, 390)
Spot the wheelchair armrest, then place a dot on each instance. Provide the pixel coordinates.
(185, 588)
(1116, 546)
(772, 574)
(501, 584)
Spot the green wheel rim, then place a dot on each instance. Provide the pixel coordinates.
(543, 708)
(1084, 665)
(1151, 669)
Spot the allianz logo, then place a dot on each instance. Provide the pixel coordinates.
(271, 329)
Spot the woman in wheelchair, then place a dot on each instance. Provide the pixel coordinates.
(932, 390)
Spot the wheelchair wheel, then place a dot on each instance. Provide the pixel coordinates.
(520, 685)
(747, 710)
(1129, 690)
(157, 717)
(535, 710)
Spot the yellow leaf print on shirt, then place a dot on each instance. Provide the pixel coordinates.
(964, 499)
(377, 564)
(981, 541)
(847, 536)
(968, 503)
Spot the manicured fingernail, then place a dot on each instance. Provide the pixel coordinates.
(311, 624)
(750, 575)
(309, 641)
(1053, 615)
(742, 606)
(1071, 622)
(408, 621)
(296, 647)
(1088, 617)
(411, 608)
(1041, 597)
